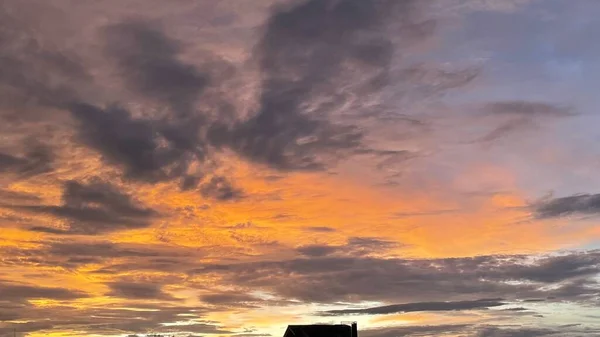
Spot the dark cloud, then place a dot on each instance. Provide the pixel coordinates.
(16, 197)
(148, 60)
(431, 79)
(559, 268)
(580, 204)
(47, 230)
(73, 253)
(526, 109)
(344, 278)
(302, 62)
(31, 74)
(108, 318)
(432, 330)
(104, 250)
(138, 291)
(8, 162)
(228, 298)
(133, 144)
(24, 328)
(354, 247)
(474, 330)
(368, 245)
(530, 300)
(103, 194)
(189, 182)
(20, 292)
(316, 250)
(172, 265)
(219, 188)
(312, 71)
(34, 72)
(517, 309)
(514, 332)
(505, 129)
(38, 159)
(8, 316)
(420, 306)
(95, 208)
(519, 116)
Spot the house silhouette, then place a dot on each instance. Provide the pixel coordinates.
(322, 330)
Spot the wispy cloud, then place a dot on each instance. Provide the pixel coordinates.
(420, 306)
(94, 208)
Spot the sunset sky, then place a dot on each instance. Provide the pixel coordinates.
(228, 167)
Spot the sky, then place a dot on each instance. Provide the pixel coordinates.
(226, 168)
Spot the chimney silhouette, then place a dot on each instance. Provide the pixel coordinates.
(354, 329)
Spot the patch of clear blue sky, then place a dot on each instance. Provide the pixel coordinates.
(545, 52)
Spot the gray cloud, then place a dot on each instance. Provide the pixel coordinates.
(149, 62)
(420, 306)
(355, 246)
(432, 330)
(516, 309)
(133, 144)
(526, 109)
(240, 298)
(20, 292)
(302, 70)
(95, 208)
(369, 244)
(581, 204)
(514, 332)
(219, 188)
(18, 197)
(559, 268)
(37, 160)
(343, 278)
(475, 330)
(47, 230)
(73, 254)
(519, 116)
(138, 291)
(107, 319)
(102, 249)
(30, 72)
(431, 79)
(24, 328)
(333, 279)
(227, 298)
(155, 149)
(301, 63)
(316, 250)
(506, 128)
(148, 149)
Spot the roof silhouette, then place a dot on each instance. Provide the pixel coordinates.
(319, 330)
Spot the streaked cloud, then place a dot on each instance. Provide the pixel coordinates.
(582, 204)
(94, 208)
(421, 306)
